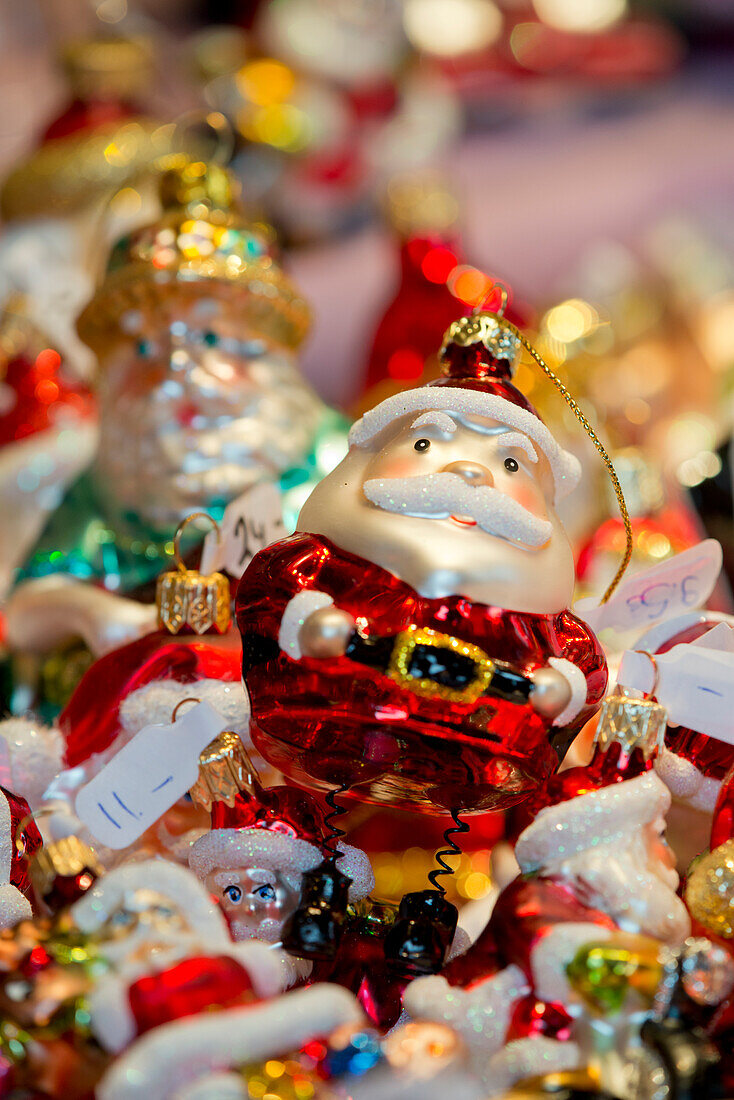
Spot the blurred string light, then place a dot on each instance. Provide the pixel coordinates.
(269, 115)
(450, 28)
(111, 11)
(580, 16)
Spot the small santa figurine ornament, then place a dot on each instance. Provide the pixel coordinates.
(594, 864)
(263, 842)
(412, 642)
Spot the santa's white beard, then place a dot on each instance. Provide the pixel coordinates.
(621, 882)
(438, 496)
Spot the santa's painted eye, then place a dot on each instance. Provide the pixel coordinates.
(266, 892)
(511, 465)
(421, 444)
(234, 893)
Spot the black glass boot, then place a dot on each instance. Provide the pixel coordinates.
(422, 933)
(314, 930)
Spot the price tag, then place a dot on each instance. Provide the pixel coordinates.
(251, 522)
(695, 685)
(683, 583)
(147, 776)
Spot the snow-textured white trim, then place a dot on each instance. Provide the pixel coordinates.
(554, 951)
(33, 756)
(297, 610)
(565, 467)
(577, 682)
(14, 906)
(112, 1021)
(232, 848)
(602, 816)
(154, 703)
(531, 1057)
(685, 782)
(161, 1062)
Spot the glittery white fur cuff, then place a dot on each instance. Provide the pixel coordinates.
(565, 467)
(686, 783)
(296, 612)
(232, 848)
(154, 704)
(577, 682)
(600, 817)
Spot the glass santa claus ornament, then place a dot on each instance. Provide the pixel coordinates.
(196, 328)
(412, 642)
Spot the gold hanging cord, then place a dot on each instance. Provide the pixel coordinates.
(499, 314)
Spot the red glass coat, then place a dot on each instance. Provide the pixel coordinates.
(327, 723)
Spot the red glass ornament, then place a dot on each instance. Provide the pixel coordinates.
(88, 114)
(279, 809)
(90, 721)
(25, 842)
(41, 398)
(348, 724)
(191, 986)
(361, 967)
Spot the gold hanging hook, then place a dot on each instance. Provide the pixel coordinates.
(180, 703)
(182, 527)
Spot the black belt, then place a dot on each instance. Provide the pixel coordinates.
(433, 664)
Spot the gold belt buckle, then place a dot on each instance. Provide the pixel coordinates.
(399, 667)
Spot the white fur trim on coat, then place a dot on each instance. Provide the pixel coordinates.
(164, 1060)
(599, 817)
(231, 848)
(577, 682)
(297, 610)
(565, 467)
(554, 951)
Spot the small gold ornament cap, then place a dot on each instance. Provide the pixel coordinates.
(633, 722)
(189, 600)
(225, 769)
(487, 329)
(65, 857)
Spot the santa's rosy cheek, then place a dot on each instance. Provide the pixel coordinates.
(526, 495)
(410, 465)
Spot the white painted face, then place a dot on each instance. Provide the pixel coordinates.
(454, 506)
(146, 931)
(257, 901)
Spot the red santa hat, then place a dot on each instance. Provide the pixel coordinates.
(280, 829)
(611, 798)
(141, 683)
(478, 355)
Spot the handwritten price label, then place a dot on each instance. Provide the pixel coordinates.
(681, 584)
(146, 777)
(249, 524)
(695, 683)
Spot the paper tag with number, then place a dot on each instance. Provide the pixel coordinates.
(147, 776)
(695, 685)
(250, 523)
(682, 583)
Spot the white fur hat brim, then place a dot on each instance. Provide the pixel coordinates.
(588, 820)
(565, 467)
(225, 849)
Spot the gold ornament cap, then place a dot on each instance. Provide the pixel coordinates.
(488, 329)
(225, 769)
(111, 67)
(66, 857)
(188, 599)
(709, 892)
(632, 724)
(203, 243)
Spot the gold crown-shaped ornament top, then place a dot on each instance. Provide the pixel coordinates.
(188, 599)
(65, 857)
(202, 244)
(632, 723)
(486, 328)
(225, 769)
